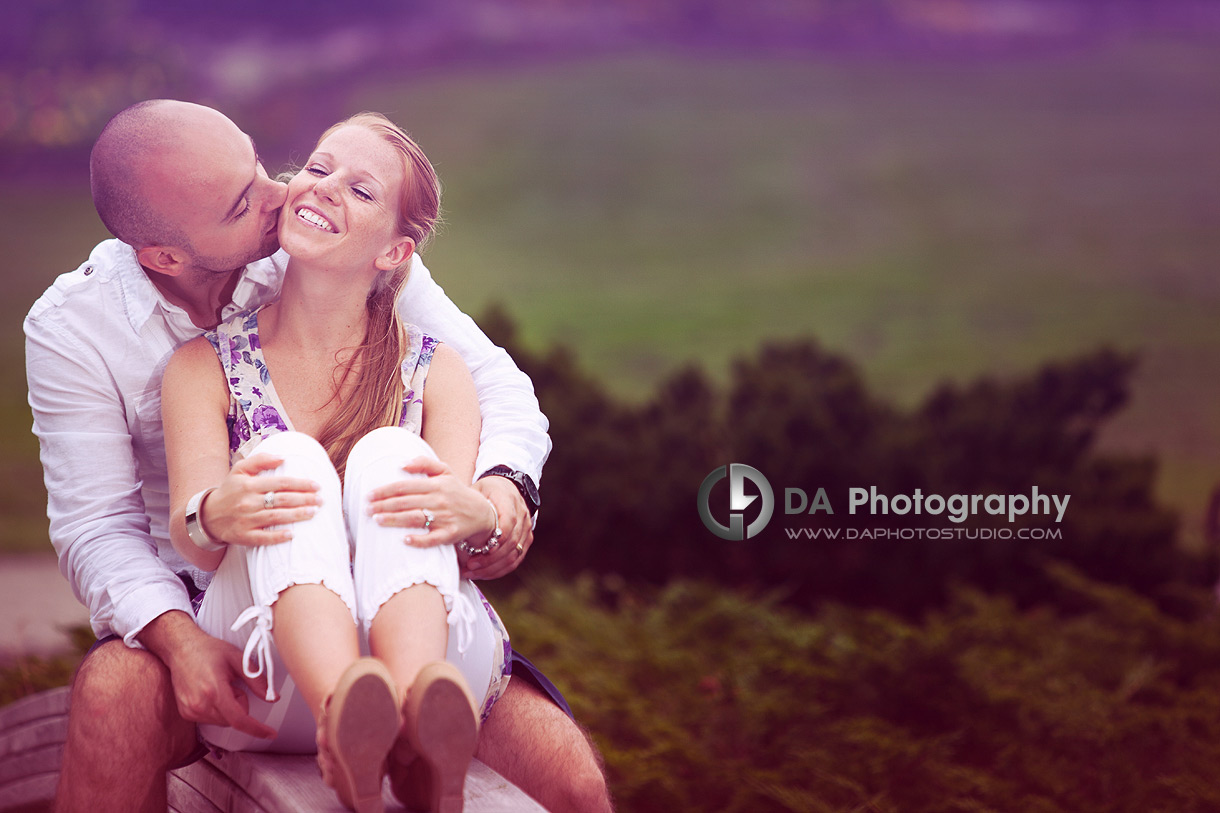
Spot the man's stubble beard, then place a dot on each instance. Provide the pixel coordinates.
(227, 265)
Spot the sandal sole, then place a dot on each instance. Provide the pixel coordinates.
(362, 727)
(447, 735)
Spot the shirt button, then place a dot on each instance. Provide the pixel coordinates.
(88, 270)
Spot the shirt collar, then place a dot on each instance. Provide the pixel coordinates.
(258, 283)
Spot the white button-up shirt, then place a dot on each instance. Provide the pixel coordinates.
(97, 343)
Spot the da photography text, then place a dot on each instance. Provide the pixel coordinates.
(761, 503)
(956, 507)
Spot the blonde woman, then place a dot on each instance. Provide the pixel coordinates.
(282, 426)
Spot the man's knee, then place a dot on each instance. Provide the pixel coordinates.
(585, 783)
(586, 788)
(114, 674)
(551, 757)
(124, 730)
(124, 695)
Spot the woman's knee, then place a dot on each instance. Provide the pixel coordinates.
(378, 458)
(391, 441)
(293, 447)
(303, 458)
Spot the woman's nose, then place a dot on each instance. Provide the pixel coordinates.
(326, 188)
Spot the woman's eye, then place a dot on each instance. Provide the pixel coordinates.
(244, 211)
(360, 193)
(318, 171)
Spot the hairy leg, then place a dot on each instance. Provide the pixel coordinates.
(124, 733)
(530, 741)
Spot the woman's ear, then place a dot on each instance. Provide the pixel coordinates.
(162, 259)
(397, 254)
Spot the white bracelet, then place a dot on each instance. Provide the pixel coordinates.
(195, 529)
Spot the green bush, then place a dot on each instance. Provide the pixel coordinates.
(27, 674)
(703, 698)
(619, 489)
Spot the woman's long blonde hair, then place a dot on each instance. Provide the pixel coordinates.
(376, 399)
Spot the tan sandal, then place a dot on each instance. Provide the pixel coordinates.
(410, 777)
(442, 732)
(355, 733)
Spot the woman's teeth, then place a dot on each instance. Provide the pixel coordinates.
(314, 219)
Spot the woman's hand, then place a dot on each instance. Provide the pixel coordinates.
(458, 511)
(515, 524)
(246, 506)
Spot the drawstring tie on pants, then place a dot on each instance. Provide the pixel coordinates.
(258, 646)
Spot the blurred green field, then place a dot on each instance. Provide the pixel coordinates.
(932, 220)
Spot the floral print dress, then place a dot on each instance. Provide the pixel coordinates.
(255, 412)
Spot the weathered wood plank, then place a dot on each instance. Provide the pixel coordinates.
(30, 789)
(183, 797)
(202, 788)
(287, 784)
(51, 703)
(17, 766)
(32, 735)
(33, 730)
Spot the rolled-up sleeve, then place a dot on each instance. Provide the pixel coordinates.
(514, 430)
(97, 519)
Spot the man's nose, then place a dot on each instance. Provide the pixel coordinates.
(277, 193)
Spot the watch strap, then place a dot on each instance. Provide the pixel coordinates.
(524, 483)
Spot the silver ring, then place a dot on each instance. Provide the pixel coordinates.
(269, 500)
(428, 517)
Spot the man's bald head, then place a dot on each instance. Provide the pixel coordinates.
(135, 162)
(184, 178)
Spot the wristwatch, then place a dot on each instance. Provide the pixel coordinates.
(523, 482)
(194, 528)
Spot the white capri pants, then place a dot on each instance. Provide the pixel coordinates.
(364, 572)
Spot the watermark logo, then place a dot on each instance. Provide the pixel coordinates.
(737, 529)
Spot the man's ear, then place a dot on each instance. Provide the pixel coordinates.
(166, 260)
(398, 254)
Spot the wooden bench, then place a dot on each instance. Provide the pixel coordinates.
(33, 730)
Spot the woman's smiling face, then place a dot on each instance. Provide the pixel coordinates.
(342, 208)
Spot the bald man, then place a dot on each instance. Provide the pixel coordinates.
(195, 216)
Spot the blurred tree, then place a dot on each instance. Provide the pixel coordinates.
(619, 489)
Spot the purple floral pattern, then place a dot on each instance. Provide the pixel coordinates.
(255, 410)
(502, 659)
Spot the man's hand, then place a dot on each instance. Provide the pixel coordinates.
(515, 524)
(206, 673)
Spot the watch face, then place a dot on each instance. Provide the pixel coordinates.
(531, 489)
(523, 482)
(528, 489)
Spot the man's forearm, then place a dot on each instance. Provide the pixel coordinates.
(169, 634)
(514, 429)
(95, 502)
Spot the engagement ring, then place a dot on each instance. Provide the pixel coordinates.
(269, 500)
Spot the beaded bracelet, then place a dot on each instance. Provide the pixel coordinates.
(492, 542)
